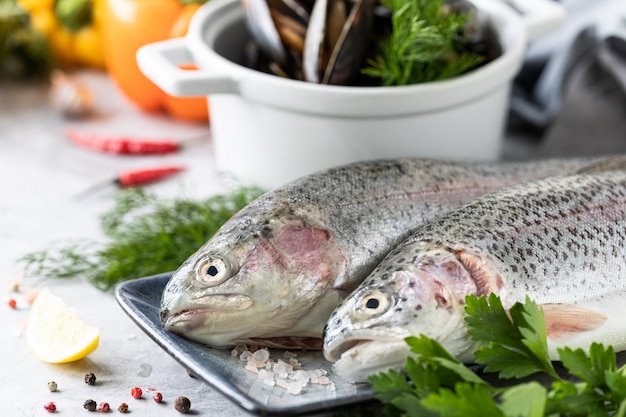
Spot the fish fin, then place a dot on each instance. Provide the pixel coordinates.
(566, 319)
(613, 163)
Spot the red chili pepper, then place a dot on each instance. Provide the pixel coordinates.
(121, 145)
(146, 176)
(137, 178)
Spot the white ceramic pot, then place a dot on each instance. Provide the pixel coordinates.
(271, 130)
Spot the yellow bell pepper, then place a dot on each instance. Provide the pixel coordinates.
(72, 29)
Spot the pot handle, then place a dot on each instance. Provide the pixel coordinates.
(538, 16)
(159, 62)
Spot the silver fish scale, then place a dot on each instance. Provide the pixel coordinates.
(560, 239)
(370, 207)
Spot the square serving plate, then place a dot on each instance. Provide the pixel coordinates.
(141, 298)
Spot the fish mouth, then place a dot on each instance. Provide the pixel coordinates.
(336, 352)
(216, 303)
(358, 358)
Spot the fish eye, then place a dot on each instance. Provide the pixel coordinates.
(373, 303)
(214, 270)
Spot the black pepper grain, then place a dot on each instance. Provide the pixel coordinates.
(182, 404)
(90, 379)
(90, 405)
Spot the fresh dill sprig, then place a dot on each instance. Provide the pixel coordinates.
(147, 236)
(433, 383)
(426, 44)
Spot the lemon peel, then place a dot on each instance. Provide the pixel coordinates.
(56, 334)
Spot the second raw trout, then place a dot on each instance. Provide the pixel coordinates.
(561, 241)
(276, 270)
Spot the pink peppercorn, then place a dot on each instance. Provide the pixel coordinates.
(50, 407)
(104, 407)
(136, 392)
(12, 303)
(158, 397)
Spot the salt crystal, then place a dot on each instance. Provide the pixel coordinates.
(263, 374)
(282, 367)
(261, 355)
(323, 380)
(331, 387)
(256, 363)
(252, 368)
(297, 375)
(245, 355)
(288, 354)
(294, 388)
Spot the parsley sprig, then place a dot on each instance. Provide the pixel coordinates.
(514, 347)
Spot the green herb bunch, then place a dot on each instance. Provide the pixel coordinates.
(427, 43)
(514, 346)
(147, 235)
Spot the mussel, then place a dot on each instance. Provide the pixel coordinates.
(322, 41)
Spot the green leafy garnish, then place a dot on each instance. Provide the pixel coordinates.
(514, 347)
(427, 43)
(147, 236)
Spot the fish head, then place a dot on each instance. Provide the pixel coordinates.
(400, 298)
(257, 280)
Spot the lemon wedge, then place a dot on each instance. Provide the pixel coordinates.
(56, 334)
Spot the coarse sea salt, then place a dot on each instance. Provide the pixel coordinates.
(280, 373)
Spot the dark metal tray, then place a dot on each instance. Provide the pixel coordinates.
(141, 298)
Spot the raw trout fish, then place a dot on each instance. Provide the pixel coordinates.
(560, 240)
(276, 270)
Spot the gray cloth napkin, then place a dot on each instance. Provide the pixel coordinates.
(591, 118)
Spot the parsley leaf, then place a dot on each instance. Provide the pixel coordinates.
(467, 400)
(526, 400)
(515, 346)
(593, 368)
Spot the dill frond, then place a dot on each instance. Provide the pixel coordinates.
(426, 44)
(147, 236)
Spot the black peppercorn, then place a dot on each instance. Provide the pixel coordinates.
(182, 404)
(90, 405)
(90, 379)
